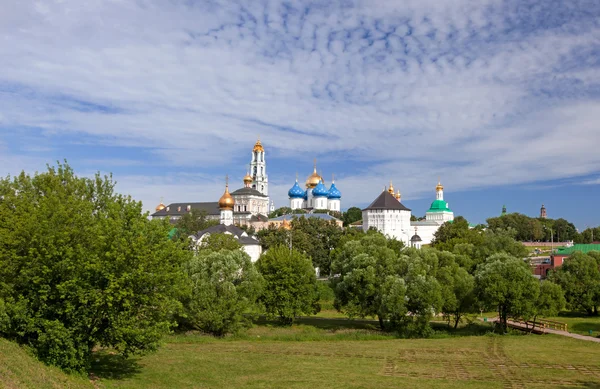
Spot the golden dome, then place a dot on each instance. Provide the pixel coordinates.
(247, 179)
(314, 178)
(160, 206)
(258, 146)
(226, 201)
(439, 186)
(391, 188)
(398, 195)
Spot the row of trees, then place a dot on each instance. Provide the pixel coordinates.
(536, 229)
(353, 214)
(82, 266)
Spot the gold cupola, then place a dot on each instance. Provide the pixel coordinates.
(226, 201)
(439, 186)
(398, 195)
(258, 146)
(391, 188)
(160, 206)
(314, 179)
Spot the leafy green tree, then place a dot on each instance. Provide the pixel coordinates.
(457, 287)
(579, 278)
(218, 242)
(366, 271)
(290, 284)
(81, 266)
(225, 291)
(550, 301)
(192, 222)
(353, 214)
(506, 283)
(314, 237)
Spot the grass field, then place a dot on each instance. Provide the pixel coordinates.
(18, 370)
(322, 352)
(337, 353)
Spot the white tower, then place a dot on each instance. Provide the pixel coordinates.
(226, 204)
(258, 169)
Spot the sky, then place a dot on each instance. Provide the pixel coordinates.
(500, 99)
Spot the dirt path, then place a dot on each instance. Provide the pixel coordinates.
(551, 331)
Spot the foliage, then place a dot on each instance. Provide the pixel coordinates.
(579, 277)
(589, 235)
(218, 242)
(81, 266)
(225, 290)
(473, 245)
(280, 212)
(551, 300)
(192, 222)
(309, 235)
(534, 229)
(506, 283)
(372, 279)
(353, 214)
(290, 284)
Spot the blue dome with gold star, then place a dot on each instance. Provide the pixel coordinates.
(334, 193)
(320, 190)
(296, 192)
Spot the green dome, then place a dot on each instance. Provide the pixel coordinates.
(439, 206)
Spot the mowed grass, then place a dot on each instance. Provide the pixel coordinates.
(334, 353)
(18, 369)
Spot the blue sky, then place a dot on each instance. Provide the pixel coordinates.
(501, 99)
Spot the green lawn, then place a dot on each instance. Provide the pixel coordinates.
(337, 353)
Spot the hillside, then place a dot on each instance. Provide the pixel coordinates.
(20, 370)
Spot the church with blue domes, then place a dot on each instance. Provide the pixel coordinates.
(315, 196)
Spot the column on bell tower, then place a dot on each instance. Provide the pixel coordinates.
(258, 169)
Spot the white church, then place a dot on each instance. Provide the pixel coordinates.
(316, 196)
(388, 215)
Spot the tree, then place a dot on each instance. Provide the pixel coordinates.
(505, 283)
(225, 291)
(81, 266)
(290, 284)
(579, 277)
(314, 237)
(457, 292)
(366, 272)
(550, 302)
(218, 242)
(192, 222)
(280, 212)
(373, 280)
(353, 214)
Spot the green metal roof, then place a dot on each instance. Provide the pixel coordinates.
(584, 248)
(439, 206)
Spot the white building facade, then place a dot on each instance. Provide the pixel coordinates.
(392, 218)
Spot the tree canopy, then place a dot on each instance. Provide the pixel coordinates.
(82, 266)
(290, 284)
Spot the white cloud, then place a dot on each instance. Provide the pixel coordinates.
(405, 90)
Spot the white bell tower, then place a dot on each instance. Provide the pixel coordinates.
(258, 169)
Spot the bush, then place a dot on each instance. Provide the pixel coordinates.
(290, 284)
(225, 289)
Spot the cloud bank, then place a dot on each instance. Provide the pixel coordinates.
(481, 93)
